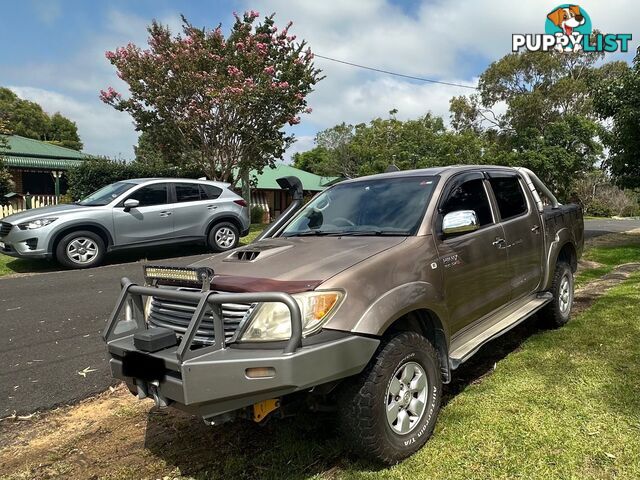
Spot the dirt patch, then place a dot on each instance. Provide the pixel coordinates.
(614, 239)
(116, 436)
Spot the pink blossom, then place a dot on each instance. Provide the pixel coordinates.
(299, 96)
(270, 70)
(283, 85)
(252, 14)
(188, 40)
(234, 71)
(239, 46)
(109, 95)
(261, 47)
(294, 120)
(308, 110)
(110, 55)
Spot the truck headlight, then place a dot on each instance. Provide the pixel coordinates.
(38, 223)
(272, 321)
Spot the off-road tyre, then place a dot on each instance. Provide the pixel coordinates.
(557, 313)
(362, 400)
(69, 249)
(223, 236)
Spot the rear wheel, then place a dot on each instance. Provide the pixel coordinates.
(81, 249)
(223, 236)
(558, 311)
(388, 412)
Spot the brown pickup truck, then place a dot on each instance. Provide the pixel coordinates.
(365, 300)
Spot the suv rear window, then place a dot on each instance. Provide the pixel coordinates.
(509, 195)
(209, 192)
(187, 192)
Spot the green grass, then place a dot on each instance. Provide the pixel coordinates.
(11, 265)
(608, 257)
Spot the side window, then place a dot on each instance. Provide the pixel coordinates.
(187, 192)
(509, 196)
(209, 192)
(469, 195)
(151, 195)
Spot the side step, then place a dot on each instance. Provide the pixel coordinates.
(470, 341)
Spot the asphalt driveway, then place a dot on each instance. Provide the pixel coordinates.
(50, 347)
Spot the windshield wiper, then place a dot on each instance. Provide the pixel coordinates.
(311, 233)
(376, 232)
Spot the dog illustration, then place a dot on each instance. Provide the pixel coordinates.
(567, 18)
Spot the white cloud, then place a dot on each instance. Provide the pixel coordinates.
(103, 130)
(302, 144)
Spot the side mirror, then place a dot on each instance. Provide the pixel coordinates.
(462, 221)
(130, 203)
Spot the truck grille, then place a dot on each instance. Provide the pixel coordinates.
(5, 228)
(176, 315)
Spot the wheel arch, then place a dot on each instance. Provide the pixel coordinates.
(427, 323)
(96, 228)
(568, 254)
(224, 218)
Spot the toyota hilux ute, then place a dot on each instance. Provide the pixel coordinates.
(365, 300)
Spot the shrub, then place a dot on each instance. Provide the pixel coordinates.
(257, 214)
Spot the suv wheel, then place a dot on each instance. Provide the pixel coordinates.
(557, 312)
(81, 249)
(388, 412)
(223, 236)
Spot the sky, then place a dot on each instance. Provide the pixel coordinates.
(52, 52)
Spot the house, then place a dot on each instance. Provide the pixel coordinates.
(267, 194)
(39, 168)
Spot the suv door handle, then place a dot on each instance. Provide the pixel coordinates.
(535, 228)
(165, 213)
(211, 207)
(499, 242)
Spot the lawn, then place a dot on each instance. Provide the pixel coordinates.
(11, 265)
(563, 404)
(607, 257)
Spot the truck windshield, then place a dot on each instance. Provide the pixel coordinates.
(386, 206)
(106, 195)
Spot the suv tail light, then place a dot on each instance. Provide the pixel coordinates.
(241, 202)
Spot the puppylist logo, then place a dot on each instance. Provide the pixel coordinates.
(568, 29)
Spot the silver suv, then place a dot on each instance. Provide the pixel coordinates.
(131, 213)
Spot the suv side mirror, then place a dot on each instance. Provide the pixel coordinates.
(462, 221)
(130, 203)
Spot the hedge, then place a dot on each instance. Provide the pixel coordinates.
(96, 173)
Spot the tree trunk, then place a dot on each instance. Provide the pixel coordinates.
(246, 188)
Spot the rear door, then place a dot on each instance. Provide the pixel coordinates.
(151, 221)
(475, 274)
(194, 204)
(523, 231)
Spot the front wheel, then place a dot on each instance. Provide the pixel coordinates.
(223, 236)
(81, 249)
(388, 412)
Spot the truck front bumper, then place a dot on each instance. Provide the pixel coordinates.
(213, 380)
(218, 382)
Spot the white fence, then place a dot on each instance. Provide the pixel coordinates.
(19, 205)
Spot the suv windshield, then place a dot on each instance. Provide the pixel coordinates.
(106, 194)
(388, 206)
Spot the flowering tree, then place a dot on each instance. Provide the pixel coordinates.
(224, 100)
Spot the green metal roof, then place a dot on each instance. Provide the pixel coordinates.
(310, 182)
(30, 153)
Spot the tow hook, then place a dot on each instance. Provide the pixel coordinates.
(151, 390)
(261, 410)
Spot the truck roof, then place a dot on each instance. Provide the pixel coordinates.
(445, 170)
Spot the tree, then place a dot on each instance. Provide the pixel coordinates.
(549, 123)
(6, 181)
(63, 132)
(222, 101)
(28, 119)
(350, 151)
(617, 100)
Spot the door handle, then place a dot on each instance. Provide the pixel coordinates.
(211, 207)
(165, 214)
(499, 242)
(535, 228)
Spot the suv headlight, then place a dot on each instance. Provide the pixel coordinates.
(272, 321)
(38, 223)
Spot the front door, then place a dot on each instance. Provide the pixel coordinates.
(475, 274)
(523, 232)
(150, 221)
